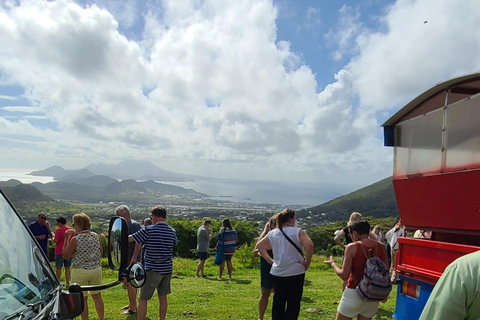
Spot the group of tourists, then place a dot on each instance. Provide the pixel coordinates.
(78, 247)
(285, 251)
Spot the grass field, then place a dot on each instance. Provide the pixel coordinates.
(214, 298)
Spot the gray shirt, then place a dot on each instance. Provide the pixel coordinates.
(202, 239)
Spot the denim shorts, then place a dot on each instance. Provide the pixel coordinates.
(202, 255)
(59, 261)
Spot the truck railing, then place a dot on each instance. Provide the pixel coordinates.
(425, 260)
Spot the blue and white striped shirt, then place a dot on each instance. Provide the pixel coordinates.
(158, 241)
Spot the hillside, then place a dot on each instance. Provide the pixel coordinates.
(18, 192)
(376, 200)
(96, 189)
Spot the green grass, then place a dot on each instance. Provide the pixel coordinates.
(214, 298)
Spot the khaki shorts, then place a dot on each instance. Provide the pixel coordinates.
(154, 280)
(87, 277)
(351, 305)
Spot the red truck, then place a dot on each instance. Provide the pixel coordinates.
(436, 178)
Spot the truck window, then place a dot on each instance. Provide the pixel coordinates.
(26, 281)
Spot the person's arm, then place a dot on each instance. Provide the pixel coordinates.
(307, 243)
(101, 249)
(338, 237)
(136, 251)
(262, 246)
(344, 272)
(373, 236)
(50, 233)
(448, 299)
(69, 245)
(55, 238)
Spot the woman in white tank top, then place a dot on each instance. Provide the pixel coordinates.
(288, 242)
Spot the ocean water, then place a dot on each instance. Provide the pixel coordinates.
(22, 176)
(284, 193)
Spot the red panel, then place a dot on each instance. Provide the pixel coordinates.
(448, 201)
(425, 260)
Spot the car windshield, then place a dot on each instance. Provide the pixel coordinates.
(26, 280)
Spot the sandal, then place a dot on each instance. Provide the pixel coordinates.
(128, 312)
(124, 308)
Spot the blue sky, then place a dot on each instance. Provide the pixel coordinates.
(248, 89)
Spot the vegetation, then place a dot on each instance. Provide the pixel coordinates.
(236, 299)
(376, 200)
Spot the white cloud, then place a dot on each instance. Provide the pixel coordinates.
(208, 89)
(22, 109)
(412, 55)
(3, 97)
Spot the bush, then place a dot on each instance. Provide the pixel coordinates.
(244, 255)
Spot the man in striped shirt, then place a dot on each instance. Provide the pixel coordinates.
(158, 241)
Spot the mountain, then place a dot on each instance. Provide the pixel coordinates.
(377, 200)
(24, 193)
(126, 169)
(138, 170)
(98, 189)
(58, 173)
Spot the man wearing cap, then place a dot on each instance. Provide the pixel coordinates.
(41, 230)
(59, 239)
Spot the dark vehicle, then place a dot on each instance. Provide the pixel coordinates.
(436, 177)
(29, 288)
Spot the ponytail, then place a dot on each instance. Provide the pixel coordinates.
(284, 216)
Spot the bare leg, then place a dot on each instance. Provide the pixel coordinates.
(67, 276)
(99, 306)
(132, 296)
(360, 317)
(201, 268)
(162, 307)
(342, 317)
(142, 309)
(85, 309)
(229, 268)
(58, 273)
(263, 303)
(222, 267)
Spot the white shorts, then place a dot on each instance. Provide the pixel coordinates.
(351, 305)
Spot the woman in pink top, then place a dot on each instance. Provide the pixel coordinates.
(59, 239)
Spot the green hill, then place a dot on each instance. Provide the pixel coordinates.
(376, 200)
(24, 193)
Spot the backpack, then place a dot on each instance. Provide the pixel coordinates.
(375, 283)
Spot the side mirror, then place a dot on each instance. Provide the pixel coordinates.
(117, 243)
(71, 304)
(136, 275)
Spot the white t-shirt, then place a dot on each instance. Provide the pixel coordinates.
(285, 255)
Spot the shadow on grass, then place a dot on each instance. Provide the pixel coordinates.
(384, 314)
(307, 300)
(239, 281)
(307, 283)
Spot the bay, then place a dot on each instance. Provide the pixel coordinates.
(249, 191)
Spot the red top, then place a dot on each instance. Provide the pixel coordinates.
(60, 235)
(359, 261)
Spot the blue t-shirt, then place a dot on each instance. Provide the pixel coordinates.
(158, 241)
(39, 230)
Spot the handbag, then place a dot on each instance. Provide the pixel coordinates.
(293, 244)
(219, 256)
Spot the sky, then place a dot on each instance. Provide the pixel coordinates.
(289, 90)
